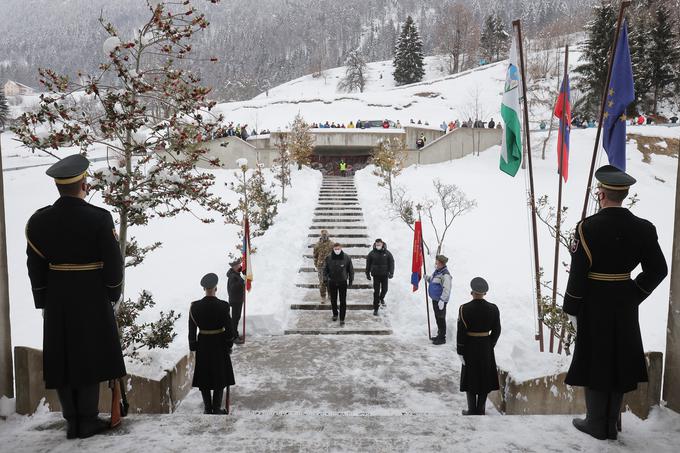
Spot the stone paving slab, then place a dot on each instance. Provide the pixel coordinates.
(319, 323)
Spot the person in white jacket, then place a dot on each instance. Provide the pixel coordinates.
(439, 290)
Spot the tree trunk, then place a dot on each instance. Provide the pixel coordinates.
(389, 182)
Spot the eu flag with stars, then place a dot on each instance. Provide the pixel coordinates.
(620, 93)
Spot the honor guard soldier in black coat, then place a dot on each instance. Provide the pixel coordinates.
(211, 335)
(76, 272)
(602, 301)
(479, 326)
(236, 288)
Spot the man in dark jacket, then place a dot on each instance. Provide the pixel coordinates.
(380, 266)
(236, 287)
(210, 335)
(76, 272)
(339, 274)
(479, 326)
(602, 302)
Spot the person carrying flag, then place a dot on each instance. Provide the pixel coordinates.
(439, 290)
(236, 287)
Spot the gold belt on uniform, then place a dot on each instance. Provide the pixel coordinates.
(211, 332)
(77, 267)
(478, 334)
(608, 277)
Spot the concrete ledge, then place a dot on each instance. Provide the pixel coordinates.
(145, 395)
(338, 331)
(549, 395)
(327, 306)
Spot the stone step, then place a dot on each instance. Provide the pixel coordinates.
(338, 214)
(357, 322)
(358, 261)
(313, 270)
(336, 227)
(338, 208)
(327, 306)
(337, 220)
(355, 296)
(336, 200)
(338, 234)
(356, 255)
(348, 245)
(316, 285)
(330, 203)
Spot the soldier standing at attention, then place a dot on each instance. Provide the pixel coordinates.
(76, 272)
(210, 334)
(479, 326)
(439, 291)
(236, 288)
(602, 302)
(322, 249)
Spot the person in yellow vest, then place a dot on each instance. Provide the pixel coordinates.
(343, 168)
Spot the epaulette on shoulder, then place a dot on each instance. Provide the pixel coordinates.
(98, 209)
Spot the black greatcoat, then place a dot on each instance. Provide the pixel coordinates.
(479, 374)
(212, 343)
(76, 271)
(607, 246)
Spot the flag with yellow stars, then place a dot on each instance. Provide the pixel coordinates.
(620, 93)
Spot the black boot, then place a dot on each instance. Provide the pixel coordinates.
(595, 423)
(613, 414)
(68, 410)
(87, 402)
(207, 401)
(375, 312)
(481, 404)
(217, 402)
(472, 404)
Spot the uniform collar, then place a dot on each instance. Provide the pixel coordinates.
(69, 201)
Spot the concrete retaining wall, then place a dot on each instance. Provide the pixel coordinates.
(455, 145)
(147, 396)
(549, 395)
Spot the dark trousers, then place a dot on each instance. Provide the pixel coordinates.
(334, 289)
(212, 402)
(236, 310)
(440, 318)
(379, 290)
(476, 403)
(79, 402)
(602, 411)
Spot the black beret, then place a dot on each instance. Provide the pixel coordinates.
(612, 178)
(69, 169)
(209, 281)
(479, 285)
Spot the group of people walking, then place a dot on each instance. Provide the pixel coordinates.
(76, 270)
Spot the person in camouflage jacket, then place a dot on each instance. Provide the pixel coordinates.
(322, 249)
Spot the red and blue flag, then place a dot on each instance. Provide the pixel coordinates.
(417, 262)
(563, 112)
(247, 266)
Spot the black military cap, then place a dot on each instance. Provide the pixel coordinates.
(612, 178)
(69, 169)
(235, 262)
(209, 281)
(479, 285)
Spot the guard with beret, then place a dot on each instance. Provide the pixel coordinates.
(76, 271)
(602, 300)
(211, 335)
(479, 326)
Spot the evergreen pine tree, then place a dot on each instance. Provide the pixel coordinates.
(4, 110)
(592, 73)
(408, 59)
(639, 54)
(355, 73)
(664, 54)
(494, 39)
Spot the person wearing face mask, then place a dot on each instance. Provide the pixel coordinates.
(322, 249)
(479, 326)
(76, 272)
(380, 266)
(602, 300)
(339, 275)
(236, 287)
(439, 291)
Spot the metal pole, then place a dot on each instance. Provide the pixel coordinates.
(246, 239)
(596, 148)
(427, 300)
(6, 364)
(671, 383)
(532, 198)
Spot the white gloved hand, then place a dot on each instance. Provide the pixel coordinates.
(573, 321)
(441, 304)
(462, 359)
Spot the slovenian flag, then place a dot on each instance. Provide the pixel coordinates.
(417, 263)
(245, 261)
(563, 112)
(511, 145)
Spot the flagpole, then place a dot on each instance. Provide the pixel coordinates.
(532, 198)
(603, 104)
(560, 169)
(427, 300)
(246, 241)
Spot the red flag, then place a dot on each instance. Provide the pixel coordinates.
(245, 260)
(563, 112)
(417, 262)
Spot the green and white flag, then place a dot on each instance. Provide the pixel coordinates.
(511, 148)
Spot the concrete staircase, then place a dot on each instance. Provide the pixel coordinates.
(339, 212)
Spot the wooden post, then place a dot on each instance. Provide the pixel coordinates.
(532, 194)
(6, 363)
(603, 105)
